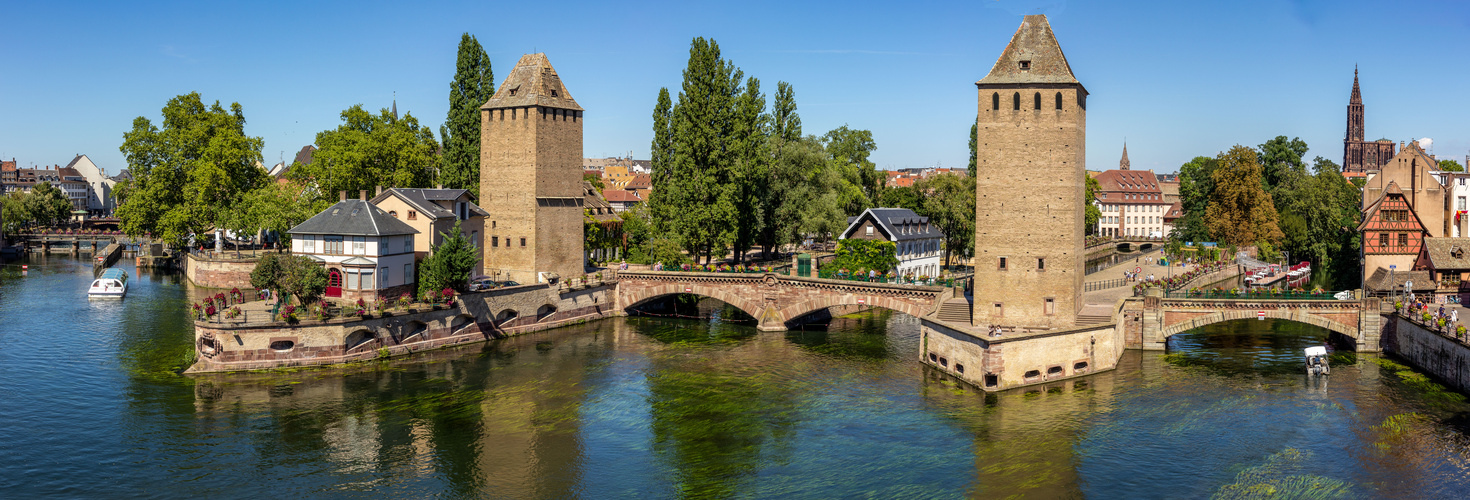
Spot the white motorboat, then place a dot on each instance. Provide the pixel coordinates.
(1317, 361)
(112, 283)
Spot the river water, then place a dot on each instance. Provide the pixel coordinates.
(666, 408)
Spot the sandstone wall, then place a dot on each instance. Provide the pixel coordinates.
(218, 273)
(1017, 360)
(1440, 356)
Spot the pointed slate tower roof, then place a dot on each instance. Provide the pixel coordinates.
(1033, 56)
(533, 82)
(1123, 164)
(1357, 97)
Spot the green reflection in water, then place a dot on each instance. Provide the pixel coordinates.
(1420, 383)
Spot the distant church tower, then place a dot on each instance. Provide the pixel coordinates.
(531, 175)
(1029, 179)
(1358, 154)
(1123, 163)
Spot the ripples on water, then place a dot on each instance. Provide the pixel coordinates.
(667, 408)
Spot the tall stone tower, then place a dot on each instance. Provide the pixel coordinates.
(1029, 179)
(531, 175)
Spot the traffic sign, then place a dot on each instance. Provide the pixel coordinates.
(1261, 315)
(1138, 269)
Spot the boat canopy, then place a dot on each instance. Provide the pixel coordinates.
(114, 274)
(1316, 351)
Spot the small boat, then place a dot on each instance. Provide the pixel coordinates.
(1317, 361)
(112, 283)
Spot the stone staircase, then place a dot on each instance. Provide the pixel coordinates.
(1089, 320)
(956, 310)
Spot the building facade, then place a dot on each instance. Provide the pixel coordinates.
(368, 254)
(1132, 203)
(1031, 133)
(100, 200)
(920, 245)
(531, 175)
(433, 212)
(1360, 155)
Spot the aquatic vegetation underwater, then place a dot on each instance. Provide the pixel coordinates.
(1420, 383)
(1282, 476)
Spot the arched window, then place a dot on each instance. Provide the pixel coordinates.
(1038, 101)
(995, 101)
(1016, 101)
(1059, 100)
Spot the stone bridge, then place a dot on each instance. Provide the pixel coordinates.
(1128, 244)
(1150, 321)
(777, 300)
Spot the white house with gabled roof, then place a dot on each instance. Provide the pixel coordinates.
(368, 254)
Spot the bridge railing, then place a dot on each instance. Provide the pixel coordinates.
(1253, 295)
(895, 280)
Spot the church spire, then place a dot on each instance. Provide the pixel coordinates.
(1123, 164)
(1357, 97)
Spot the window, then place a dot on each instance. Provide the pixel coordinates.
(495, 241)
(308, 242)
(1059, 100)
(359, 245)
(523, 241)
(870, 227)
(1041, 263)
(1049, 307)
(1038, 101)
(997, 310)
(995, 101)
(1403, 239)
(1002, 263)
(1016, 101)
(332, 245)
(393, 213)
(383, 275)
(367, 280)
(408, 244)
(407, 273)
(1025, 65)
(352, 280)
(412, 215)
(1460, 202)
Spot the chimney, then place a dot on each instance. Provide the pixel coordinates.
(380, 191)
(342, 196)
(440, 186)
(362, 194)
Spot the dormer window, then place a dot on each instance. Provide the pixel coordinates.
(553, 93)
(513, 91)
(1025, 65)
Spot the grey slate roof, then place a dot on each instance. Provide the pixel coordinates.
(353, 218)
(533, 82)
(1035, 43)
(424, 199)
(890, 220)
(1379, 281)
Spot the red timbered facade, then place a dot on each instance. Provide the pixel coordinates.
(1391, 231)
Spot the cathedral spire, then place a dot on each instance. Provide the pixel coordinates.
(1357, 97)
(1123, 164)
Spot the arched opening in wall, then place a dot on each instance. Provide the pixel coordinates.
(1080, 367)
(1038, 101)
(1016, 101)
(691, 306)
(414, 328)
(1054, 371)
(506, 316)
(995, 101)
(1059, 100)
(1253, 346)
(357, 339)
(992, 380)
(1031, 375)
(459, 323)
(283, 345)
(545, 311)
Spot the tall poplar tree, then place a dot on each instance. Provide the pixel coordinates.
(474, 83)
(780, 208)
(751, 167)
(974, 145)
(703, 133)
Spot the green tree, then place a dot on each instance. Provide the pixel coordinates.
(473, 84)
(450, 263)
(1280, 159)
(975, 146)
(267, 272)
(949, 202)
(1196, 186)
(274, 207)
(692, 195)
(14, 213)
(368, 151)
(300, 277)
(752, 167)
(47, 205)
(1093, 212)
(786, 175)
(857, 255)
(902, 197)
(190, 172)
(595, 180)
(1451, 166)
(1241, 211)
(848, 150)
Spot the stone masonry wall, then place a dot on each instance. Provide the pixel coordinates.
(218, 273)
(1440, 356)
(1010, 361)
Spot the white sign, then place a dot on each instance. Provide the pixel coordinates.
(687, 289)
(860, 301)
(1261, 315)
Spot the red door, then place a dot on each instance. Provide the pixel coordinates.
(334, 283)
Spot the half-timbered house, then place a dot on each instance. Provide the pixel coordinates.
(1392, 234)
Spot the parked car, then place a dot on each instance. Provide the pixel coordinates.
(481, 285)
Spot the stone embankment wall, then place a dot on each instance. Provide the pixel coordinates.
(210, 273)
(1435, 353)
(475, 317)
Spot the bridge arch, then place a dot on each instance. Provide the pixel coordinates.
(1294, 315)
(644, 295)
(806, 307)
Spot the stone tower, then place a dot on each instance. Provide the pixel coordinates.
(1029, 180)
(531, 175)
(1123, 163)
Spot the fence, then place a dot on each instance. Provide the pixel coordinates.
(1255, 295)
(1103, 285)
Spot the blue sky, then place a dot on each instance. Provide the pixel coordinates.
(1176, 79)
